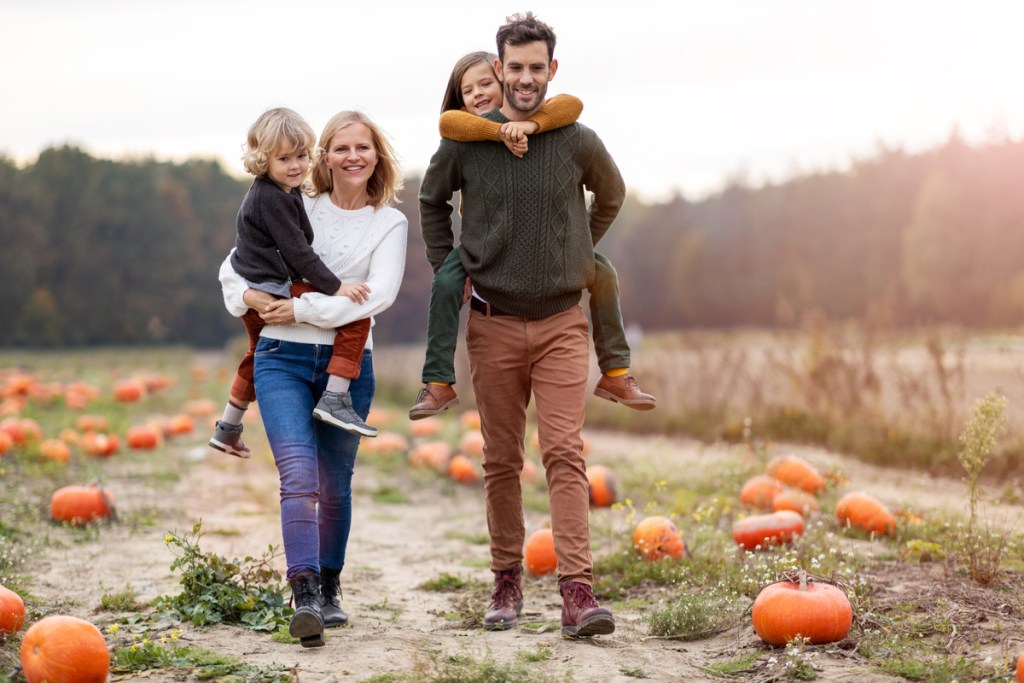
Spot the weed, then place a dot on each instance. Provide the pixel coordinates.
(744, 664)
(142, 654)
(125, 600)
(541, 654)
(390, 496)
(447, 583)
(697, 614)
(633, 673)
(246, 592)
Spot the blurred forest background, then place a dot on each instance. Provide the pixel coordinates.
(100, 252)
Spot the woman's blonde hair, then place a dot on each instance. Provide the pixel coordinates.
(386, 181)
(275, 128)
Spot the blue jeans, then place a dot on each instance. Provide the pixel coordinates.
(315, 460)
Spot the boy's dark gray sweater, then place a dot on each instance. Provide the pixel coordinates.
(273, 239)
(527, 239)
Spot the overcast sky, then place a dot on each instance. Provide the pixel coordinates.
(685, 93)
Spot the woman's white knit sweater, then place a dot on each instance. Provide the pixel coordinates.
(365, 245)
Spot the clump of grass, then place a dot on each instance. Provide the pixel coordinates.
(140, 653)
(447, 583)
(541, 654)
(125, 600)
(390, 496)
(697, 614)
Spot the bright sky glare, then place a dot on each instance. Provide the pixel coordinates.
(685, 94)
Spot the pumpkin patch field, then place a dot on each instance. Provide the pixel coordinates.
(130, 550)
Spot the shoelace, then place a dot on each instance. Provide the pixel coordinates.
(581, 595)
(507, 591)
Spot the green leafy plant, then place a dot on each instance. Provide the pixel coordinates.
(247, 592)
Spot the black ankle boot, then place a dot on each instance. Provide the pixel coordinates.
(308, 622)
(330, 594)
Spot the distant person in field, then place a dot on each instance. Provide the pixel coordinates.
(527, 245)
(474, 90)
(273, 253)
(361, 237)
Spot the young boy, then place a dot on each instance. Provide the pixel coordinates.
(273, 254)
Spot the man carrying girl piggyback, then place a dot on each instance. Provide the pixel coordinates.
(273, 253)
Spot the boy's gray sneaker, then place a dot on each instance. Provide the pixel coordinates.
(336, 409)
(228, 438)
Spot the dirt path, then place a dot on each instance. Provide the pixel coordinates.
(395, 548)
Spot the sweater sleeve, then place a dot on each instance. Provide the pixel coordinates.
(460, 125)
(602, 177)
(387, 265)
(441, 181)
(558, 112)
(283, 220)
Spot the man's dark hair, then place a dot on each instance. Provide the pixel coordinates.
(522, 29)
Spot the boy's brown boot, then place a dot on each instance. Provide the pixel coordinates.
(624, 389)
(432, 399)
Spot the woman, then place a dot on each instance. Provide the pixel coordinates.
(361, 238)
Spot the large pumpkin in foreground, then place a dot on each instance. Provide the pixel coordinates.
(12, 612)
(62, 649)
(786, 610)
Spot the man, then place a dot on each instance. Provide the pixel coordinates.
(527, 243)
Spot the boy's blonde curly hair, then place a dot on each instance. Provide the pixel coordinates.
(275, 128)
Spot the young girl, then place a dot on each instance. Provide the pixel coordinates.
(273, 254)
(473, 90)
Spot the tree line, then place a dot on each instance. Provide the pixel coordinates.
(99, 252)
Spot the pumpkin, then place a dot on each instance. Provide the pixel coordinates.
(155, 383)
(62, 649)
(462, 470)
(181, 424)
(100, 445)
(129, 390)
(19, 384)
(425, 428)
(657, 537)
(796, 472)
(1020, 669)
(380, 417)
(143, 437)
(91, 423)
(795, 500)
(386, 442)
(470, 419)
(21, 429)
(786, 610)
(432, 453)
(759, 490)
(472, 443)
(12, 612)
(602, 486)
(54, 449)
(761, 531)
(864, 511)
(529, 473)
(539, 553)
(200, 407)
(80, 505)
(6, 442)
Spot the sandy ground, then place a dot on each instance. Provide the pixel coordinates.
(396, 547)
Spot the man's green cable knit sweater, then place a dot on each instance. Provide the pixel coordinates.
(527, 239)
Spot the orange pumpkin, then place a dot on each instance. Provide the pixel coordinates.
(62, 649)
(21, 429)
(91, 423)
(657, 537)
(54, 449)
(864, 511)
(602, 486)
(181, 424)
(80, 505)
(426, 428)
(200, 407)
(19, 384)
(539, 554)
(470, 420)
(100, 445)
(432, 453)
(129, 390)
(761, 531)
(463, 470)
(472, 443)
(1020, 669)
(6, 442)
(794, 471)
(143, 437)
(786, 610)
(12, 612)
(795, 500)
(759, 490)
